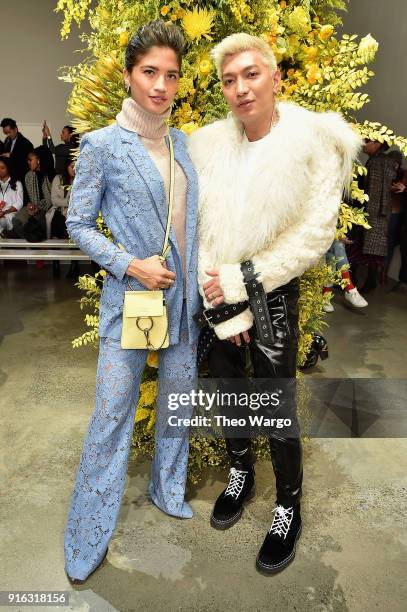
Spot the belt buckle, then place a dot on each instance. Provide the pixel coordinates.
(208, 319)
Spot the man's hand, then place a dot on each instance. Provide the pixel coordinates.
(346, 241)
(5, 155)
(151, 273)
(237, 339)
(213, 290)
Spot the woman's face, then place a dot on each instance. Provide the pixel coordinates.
(71, 170)
(154, 79)
(3, 171)
(33, 162)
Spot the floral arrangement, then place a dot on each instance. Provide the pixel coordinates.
(320, 71)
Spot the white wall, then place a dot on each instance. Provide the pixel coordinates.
(386, 20)
(32, 52)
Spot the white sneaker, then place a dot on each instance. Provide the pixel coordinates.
(329, 307)
(355, 299)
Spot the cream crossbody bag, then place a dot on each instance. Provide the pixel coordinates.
(145, 316)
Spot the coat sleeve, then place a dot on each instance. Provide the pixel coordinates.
(84, 206)
(308, 236)
(234, 326)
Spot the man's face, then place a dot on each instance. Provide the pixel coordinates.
(248, 85)
(65, 135)
(371, 147)
(10, 132)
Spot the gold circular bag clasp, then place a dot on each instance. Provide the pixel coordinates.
(144, 329)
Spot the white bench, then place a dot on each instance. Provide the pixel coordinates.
(54, 249)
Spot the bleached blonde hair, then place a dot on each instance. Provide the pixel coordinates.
(236, 43)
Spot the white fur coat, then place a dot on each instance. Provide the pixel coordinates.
(287, 220)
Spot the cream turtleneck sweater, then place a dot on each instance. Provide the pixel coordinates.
(152, 130)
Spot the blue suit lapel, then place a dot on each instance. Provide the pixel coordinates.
(183, 159)
(147, 171)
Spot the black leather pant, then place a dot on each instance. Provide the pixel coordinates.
(227, 360)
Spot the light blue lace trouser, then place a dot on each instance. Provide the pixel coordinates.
(100, 481)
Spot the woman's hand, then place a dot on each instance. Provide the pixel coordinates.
(32, 209)
(398, 187)
(151, 273)
(213, 290)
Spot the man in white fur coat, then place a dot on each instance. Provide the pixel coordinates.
(271, 178)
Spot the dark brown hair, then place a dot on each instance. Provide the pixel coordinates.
(154, 34)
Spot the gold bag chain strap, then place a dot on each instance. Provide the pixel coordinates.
(166, 247)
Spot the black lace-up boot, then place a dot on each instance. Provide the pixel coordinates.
(278, 549)
(229, 505)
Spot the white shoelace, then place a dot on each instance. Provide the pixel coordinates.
(236, 482)
(282, 521)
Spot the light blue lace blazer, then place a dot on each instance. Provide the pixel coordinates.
(116, 175)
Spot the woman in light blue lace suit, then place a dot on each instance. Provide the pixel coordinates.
(123, 171)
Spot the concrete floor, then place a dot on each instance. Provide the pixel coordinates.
(351, 556)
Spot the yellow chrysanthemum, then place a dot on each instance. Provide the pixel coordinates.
(198, 23)
(283, 4)
(205, 66)
(165, 10)
(326, 32)
(298, 21)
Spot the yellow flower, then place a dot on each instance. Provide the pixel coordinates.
(205, 66)
(313, 74)
(367, 49)
(174, 17)
(189, 128)
(290, 72)
(152, 359)
(165, 10)
(198, 23)
(326, 32)
(185, 87)
(294, 43)
(123, 39)
(283, 4)
(298, 21)
(311, 52)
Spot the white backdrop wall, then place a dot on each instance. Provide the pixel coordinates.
(33, 52)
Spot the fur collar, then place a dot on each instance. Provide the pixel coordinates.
(234, 224)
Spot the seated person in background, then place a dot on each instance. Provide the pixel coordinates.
(16, 148)
(30, 222)
(11, 195)
(62, 151)
(60, 193)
